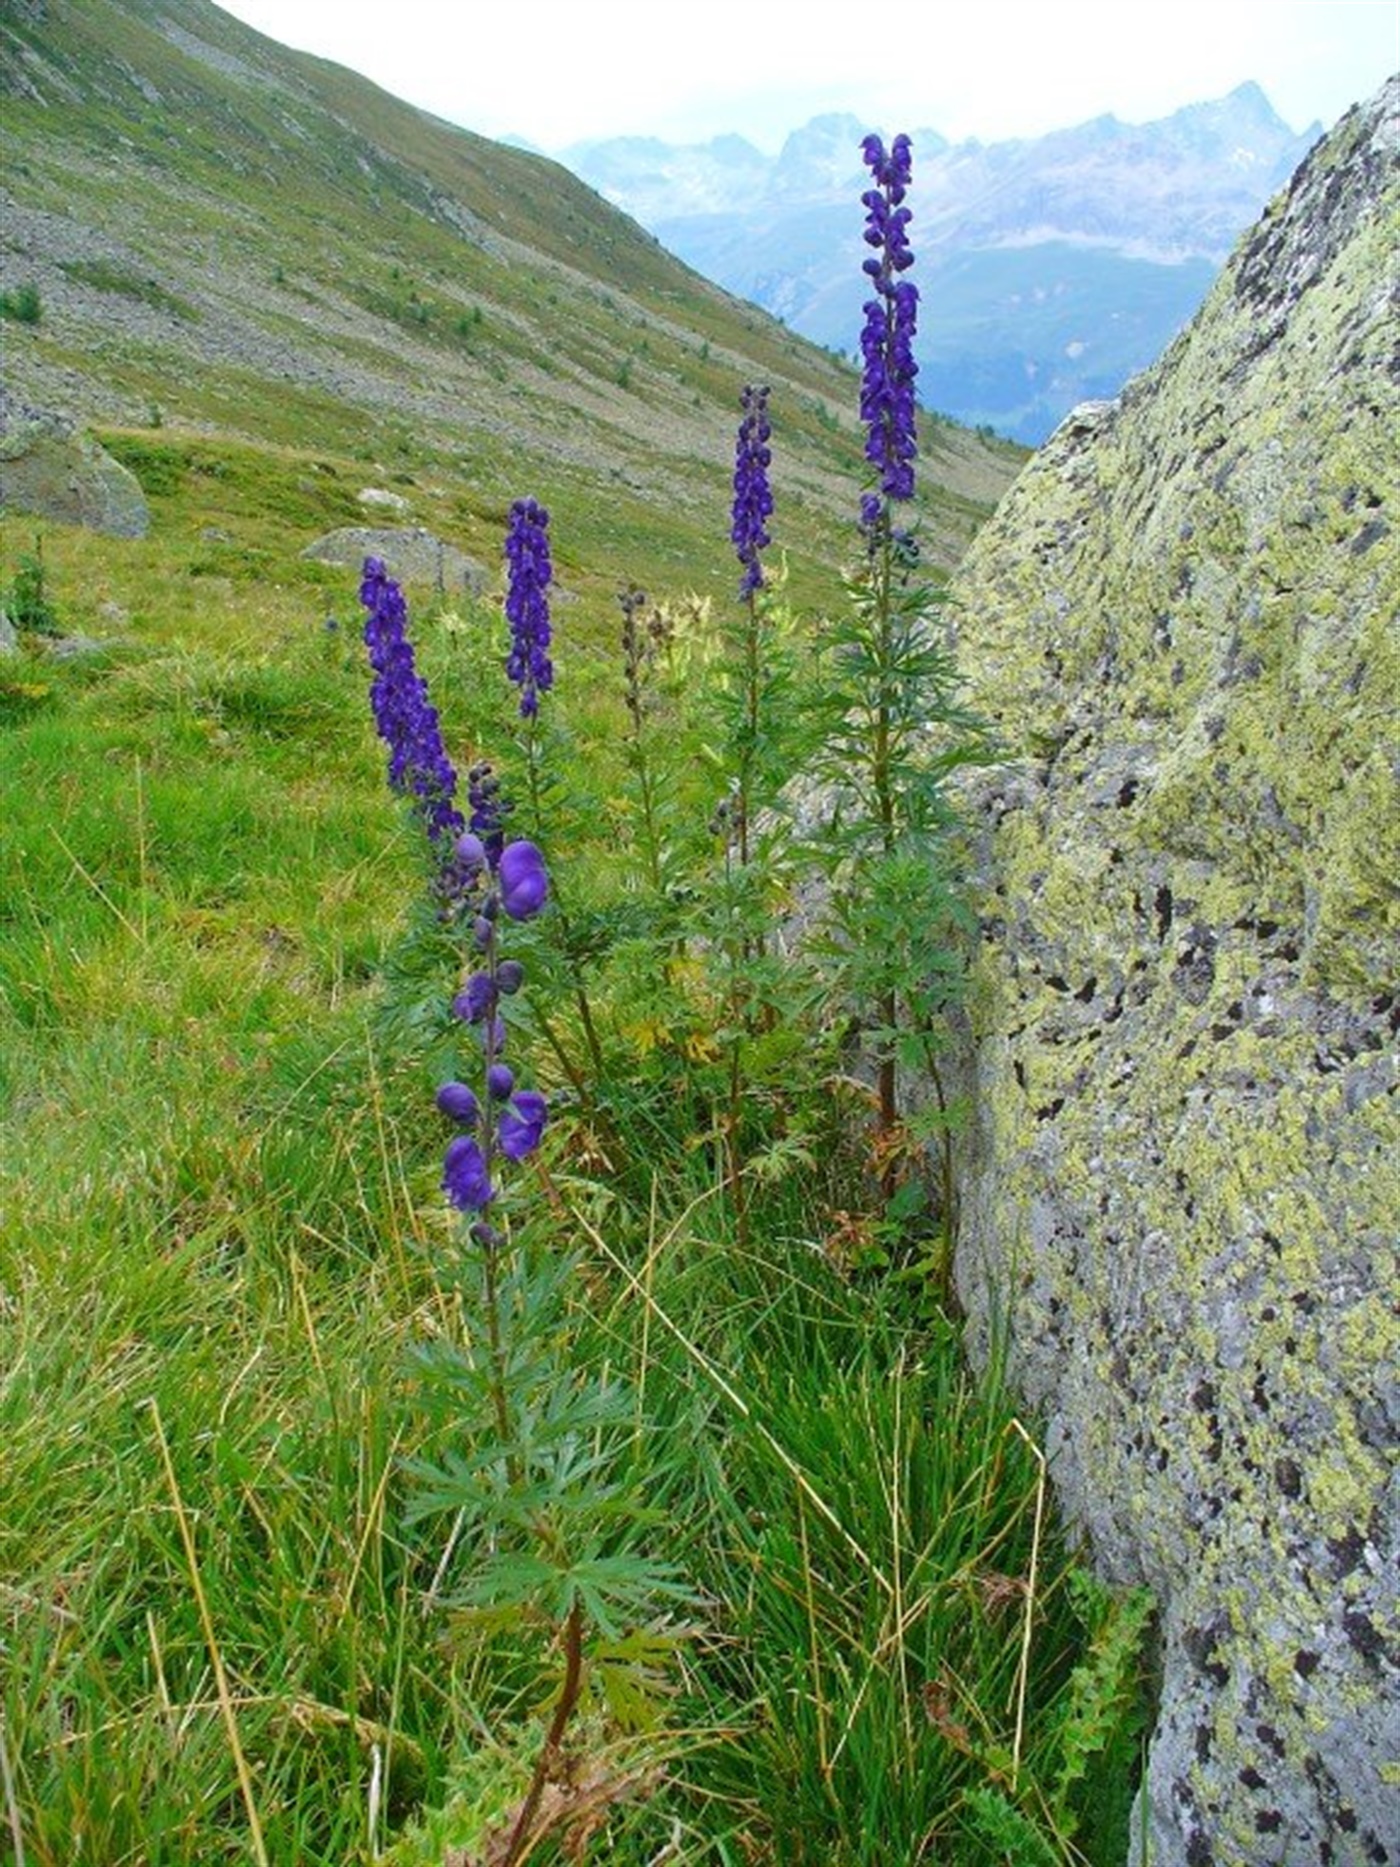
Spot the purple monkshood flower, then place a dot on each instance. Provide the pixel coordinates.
(887, 404)
(477, 999)
(529, 574)
(524, 880)
(753, 499)
(522, 1124)
(419, 767)
(466, 1179)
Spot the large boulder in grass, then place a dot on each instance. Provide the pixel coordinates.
(53, 471)
(1181, 1178)
(411, 554)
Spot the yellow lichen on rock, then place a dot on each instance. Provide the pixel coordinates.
(1181, 1183)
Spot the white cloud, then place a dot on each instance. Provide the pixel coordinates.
(588, 68)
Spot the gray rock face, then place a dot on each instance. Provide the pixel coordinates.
(412, 554)
(1181, 1187)
(50, 469)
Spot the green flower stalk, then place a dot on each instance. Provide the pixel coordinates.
(896, 729)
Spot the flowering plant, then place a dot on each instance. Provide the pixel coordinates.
(895, 728)
(539, 1500)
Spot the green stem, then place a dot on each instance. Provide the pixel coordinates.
(500, 1403)
(561, 918)
(734, 1163)
(886, 815)
(486, 1240)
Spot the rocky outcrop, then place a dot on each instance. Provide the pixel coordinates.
(1181, 1187)
(52, 470)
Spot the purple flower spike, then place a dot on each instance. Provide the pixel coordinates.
(753, 500)
(887, 404)
(529, 575)
(489, 809)
(459, 1104)
(464, 1177)
(419, 767)
(524, 881)
(522, 1124)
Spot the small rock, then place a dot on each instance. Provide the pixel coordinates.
(74, 647)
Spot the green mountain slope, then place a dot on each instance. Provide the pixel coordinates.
(235, 238)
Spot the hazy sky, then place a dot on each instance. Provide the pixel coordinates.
(557, 71)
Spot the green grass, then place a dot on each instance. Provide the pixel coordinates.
(105, 275)
(219, 1223)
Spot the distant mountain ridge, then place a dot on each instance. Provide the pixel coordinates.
(1053, 267)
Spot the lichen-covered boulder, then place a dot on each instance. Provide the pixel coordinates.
(1181, 1183)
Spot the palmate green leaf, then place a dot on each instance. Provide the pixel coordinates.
(562, 1402)
(513, 1578)
(633, 1674)
(497, 1491)
(611, 1590)
(455, 1483)
(614, 1589)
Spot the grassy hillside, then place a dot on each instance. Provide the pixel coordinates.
(236, 239)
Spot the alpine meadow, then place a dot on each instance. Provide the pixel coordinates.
(485, 908)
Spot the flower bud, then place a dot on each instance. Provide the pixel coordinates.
(458, 1103)
(524, 881)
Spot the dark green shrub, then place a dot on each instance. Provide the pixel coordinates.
(23, 304)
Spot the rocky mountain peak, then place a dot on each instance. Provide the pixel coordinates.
(1061, 263)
